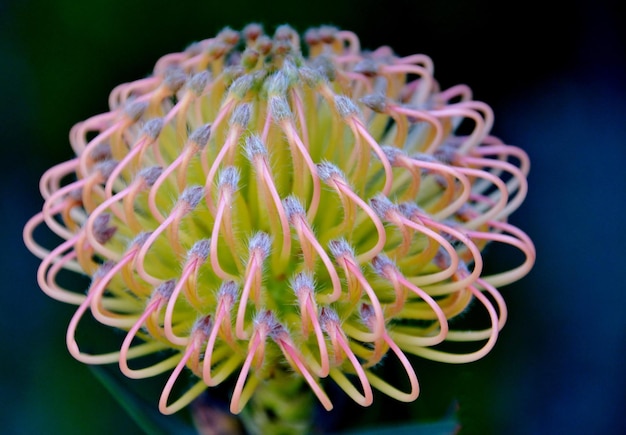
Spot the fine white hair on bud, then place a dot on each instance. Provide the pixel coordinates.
(241, 86)
(101, 152)
(166, 289)
(328, 317)
(328, 171)
(290, 70)
(200, 249)
(135, 109)
(266, 319)
(254, 146)
(302, 281)
(174, 79)
(366, 67)
(102, 270)
(310, 77)
(198, 82)
(392, 153)
(230, 290)
(229, 178)
(203, 324)
(340, 248)
(232, 73)
(201, 135)
(241, 115)
(279, 108)
(367, 315)
(192, 196)
(381, 263)
(260, 242)
(150, 174)
(325, 66)
(139, 240)
(382, 205)
(102, 229)
(105, 168)
(278, 84)
(153, 128)
(410, 209)
(293, 207)
(345, 106)
(377, 102)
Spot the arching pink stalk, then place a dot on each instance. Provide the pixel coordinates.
(292, 136)
(295, 214)
(303, 286)
(407, 215)
(406, 68)
(259, 250)
(51, 179)
(263, 324)
(226, 189)
(257, 153)
(333, 176)
(227, 298)
(198, 337)
(344, 256)
(196, 257)
(383, 385)
(187, 201)
(55, 261)
(281, 337)
(384, 267)
(359, 129)
(239, 120)
(151, 133)
(330, 323)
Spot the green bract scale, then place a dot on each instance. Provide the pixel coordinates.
(280, 220)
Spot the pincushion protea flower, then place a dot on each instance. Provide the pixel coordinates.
(251, 213)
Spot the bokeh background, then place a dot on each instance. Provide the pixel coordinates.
(554, 73)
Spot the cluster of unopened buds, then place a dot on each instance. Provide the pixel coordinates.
(249, 212)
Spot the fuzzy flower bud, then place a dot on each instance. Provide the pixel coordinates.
(291, 217)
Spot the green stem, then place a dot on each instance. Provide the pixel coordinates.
(281, 405)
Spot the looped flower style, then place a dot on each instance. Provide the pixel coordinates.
(253, 210)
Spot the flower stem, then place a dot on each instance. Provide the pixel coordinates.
(281, 405)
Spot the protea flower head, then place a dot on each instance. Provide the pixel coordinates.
(252, 213)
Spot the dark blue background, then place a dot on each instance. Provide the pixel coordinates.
(555, 78)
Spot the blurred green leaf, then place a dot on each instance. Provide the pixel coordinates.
(147, 416)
